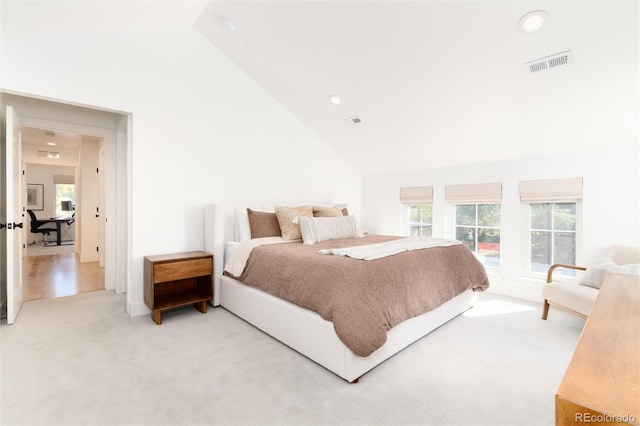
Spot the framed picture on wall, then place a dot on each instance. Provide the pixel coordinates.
(35, 196)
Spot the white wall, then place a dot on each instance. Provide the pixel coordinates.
(202, 131)
(611, 204)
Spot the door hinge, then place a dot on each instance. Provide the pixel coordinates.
(97, 248)
(97, 170)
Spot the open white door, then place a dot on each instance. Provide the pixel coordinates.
(14, 216)
(23, 199)
(101, 208)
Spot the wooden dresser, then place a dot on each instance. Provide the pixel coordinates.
(602, 382)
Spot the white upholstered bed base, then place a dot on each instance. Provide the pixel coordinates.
(302, 329)
(306, 332)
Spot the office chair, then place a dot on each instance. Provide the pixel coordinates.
(36, 227)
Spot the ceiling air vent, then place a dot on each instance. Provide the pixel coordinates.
(43, 153)
(548, 62)
(350, 121)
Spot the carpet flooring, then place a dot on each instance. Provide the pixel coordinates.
(83, 360)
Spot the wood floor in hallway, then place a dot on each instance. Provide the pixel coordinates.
(59, 275)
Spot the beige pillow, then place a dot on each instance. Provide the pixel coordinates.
(319, 211)
(285, 215)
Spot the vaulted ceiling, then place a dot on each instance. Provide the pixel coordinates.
(439, 83)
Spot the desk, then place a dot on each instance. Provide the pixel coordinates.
(602, 382)
(58, 221)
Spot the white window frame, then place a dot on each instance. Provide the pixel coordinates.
(414, 196)
(408, 219)
(454, 226)
(526, 240)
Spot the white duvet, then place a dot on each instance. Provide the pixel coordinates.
(389, 248)
(238, 260)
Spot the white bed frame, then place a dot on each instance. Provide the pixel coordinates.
(302, 329)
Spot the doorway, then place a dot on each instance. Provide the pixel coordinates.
(59, 169)
(113, 129)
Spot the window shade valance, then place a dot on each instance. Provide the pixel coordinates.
(551, 190)
(416, 195)
(64, 179)
(478, 193)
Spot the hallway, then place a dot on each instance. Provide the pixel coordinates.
(56, 275)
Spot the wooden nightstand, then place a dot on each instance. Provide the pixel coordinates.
(179, 279)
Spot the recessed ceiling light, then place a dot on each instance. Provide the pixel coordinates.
(533, 21)
(335, 99)
(51, 143)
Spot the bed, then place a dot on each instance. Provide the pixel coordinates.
(305, 330)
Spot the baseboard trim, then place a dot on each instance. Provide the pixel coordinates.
(137, 309)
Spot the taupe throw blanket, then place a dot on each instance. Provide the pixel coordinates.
(364, 299)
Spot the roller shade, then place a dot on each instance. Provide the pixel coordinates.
(551, 190)
(64, 179)
(416, 195)
(478, 193)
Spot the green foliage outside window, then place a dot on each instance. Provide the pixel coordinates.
(478, 227)
(64, 192)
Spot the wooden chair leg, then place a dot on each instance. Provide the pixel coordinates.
(545, 309)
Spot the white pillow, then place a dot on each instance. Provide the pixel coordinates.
(316, 229)
(595, 273)
(629, 269)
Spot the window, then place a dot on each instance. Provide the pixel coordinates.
(552, 233)
(478, 227)
(553, 222)
(65, 192)
(477, 218)
(418, 200)
(420, 220)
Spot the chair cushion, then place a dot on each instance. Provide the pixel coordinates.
(629, 269)
(578, 298)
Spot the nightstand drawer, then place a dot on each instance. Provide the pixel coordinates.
(182, 270)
